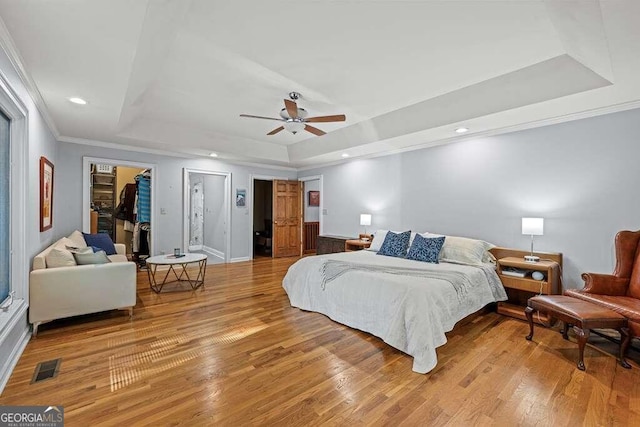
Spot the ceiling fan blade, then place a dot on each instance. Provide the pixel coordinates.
(336, 118)
(261, 117)
(276, 130)
(314, 131)
(292, 108)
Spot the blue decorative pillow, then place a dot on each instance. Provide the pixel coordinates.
(102, 241)
(426, 249)
(395, 244)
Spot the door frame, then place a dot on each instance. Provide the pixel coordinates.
(253, 178)
(86, 191)
(227, 207)
(321, 216)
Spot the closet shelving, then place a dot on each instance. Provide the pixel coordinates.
(103, 197)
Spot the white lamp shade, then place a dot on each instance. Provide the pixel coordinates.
(533, 226)
(365, 219)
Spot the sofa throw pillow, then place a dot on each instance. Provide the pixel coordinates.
(395, 244)
(425, 249)
(78, 239)
(59, 256)
(89, 257)
(102, 241)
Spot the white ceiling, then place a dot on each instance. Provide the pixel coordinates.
(174, 75)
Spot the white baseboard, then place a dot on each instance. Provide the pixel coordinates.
(241, 259)
(214, 252)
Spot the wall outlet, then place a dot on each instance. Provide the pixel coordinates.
(324, 212)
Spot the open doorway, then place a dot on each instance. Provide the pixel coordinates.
(311, 217)
(118, 201)
(206, 214)
(262, 218)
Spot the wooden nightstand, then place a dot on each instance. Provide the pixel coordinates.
(520, 289)
(356, 245)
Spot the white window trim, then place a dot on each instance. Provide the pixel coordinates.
(13, 107)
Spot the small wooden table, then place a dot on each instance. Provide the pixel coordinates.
(356, 245)
(172, 261)
(583, 316)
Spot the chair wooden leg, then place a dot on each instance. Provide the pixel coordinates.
(529, 313)
(625, 339)
(583, 336)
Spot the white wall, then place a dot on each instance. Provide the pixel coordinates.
(582, 177)
(14, 332)
(311, 213)
(214, 212)
(169, 175)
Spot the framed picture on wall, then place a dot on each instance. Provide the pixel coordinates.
(46, 194)
(314, 198)
(241, 197)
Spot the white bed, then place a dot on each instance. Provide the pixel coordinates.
(408, 304)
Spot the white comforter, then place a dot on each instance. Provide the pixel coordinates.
(409, 313)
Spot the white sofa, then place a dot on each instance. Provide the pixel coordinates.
(56, 293)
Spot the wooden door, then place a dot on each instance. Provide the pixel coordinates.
(287, 219)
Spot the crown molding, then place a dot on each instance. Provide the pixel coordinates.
(134, 148)
(9, 47)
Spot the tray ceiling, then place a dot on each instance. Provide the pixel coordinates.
(175, 75)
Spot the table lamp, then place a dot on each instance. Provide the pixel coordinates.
(365, 219)
(534, 227)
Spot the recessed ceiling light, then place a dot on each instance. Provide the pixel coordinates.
(77, 100)
(213, 155)
(462, 130)
(345, 155)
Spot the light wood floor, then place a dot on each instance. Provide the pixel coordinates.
(236, 353)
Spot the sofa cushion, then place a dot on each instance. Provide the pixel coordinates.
(78, 239)
(90, 257)
(59, 255)
(102, 241)
(118, 258)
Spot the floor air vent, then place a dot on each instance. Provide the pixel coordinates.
(46, 370)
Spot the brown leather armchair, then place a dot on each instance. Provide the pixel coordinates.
(619, 291)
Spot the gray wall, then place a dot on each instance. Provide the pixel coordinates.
(214, 212)
(169, 175)
(311, 213)
(582, 177)
(14, 331)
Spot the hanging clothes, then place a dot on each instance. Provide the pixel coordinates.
(144, 198)
(125, 209)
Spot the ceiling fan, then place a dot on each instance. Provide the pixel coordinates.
(295, 118)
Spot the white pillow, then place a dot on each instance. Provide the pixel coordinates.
(77, 240)
(378, 239)
(59, 256)
(462, 250)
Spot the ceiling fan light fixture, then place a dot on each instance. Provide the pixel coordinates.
(294, 126)
(345, 155)
(462, 130)
(213, 154)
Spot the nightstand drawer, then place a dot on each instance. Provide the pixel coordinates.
(524, 284)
